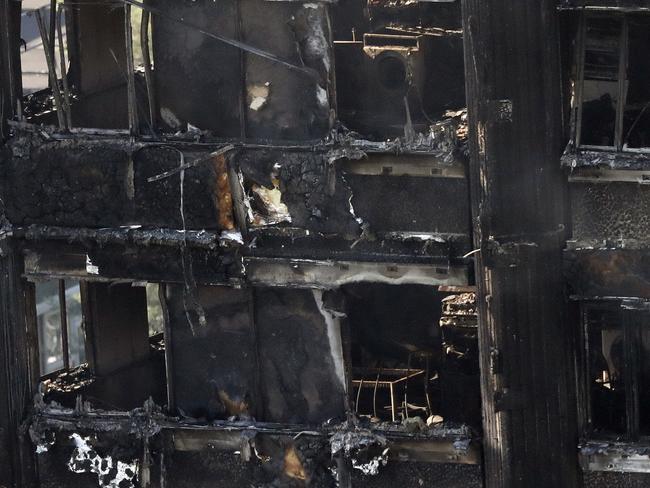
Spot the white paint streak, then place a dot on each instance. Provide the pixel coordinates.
(334, 336)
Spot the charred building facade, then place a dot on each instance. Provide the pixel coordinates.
(331, 243)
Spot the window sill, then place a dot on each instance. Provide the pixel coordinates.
(615, 456)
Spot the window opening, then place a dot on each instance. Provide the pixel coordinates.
(59, 322)
(154, 310)
(613, 90)
(617, 370)
(412, 354)
(602, 60)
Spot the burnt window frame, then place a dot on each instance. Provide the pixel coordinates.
(64, 329)
(619, 139)
(633, 316)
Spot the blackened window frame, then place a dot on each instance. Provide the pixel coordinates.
(65, 343)
(633, 315)
(619, 141)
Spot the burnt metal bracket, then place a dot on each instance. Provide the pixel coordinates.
(507, 255)
(514, 251)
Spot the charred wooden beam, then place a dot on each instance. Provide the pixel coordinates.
(517, 204)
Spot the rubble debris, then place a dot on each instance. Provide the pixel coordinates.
(413, 424)
(461, 304)
(367, 450)
(110, 473)
(434, 420)
(69, 381)
(267, 205)
(258, 95)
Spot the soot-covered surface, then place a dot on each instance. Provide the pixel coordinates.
(610, 211)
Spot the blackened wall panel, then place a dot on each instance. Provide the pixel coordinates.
(610, 211)
(158, 203)
(67, 184)
(282, 103)
(300, 380)
(406, 203)
(214, 364)
(197, 78)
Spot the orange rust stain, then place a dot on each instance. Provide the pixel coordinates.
(223, 195)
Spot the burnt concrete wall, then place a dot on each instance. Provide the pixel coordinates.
(293, 105)
(214, 364)
(105, 185)
(199, 470)
(67, 184)
(608, 480)
(407, 203)
(232, 93)
(159, 203)
(216, 370)
(300, 380)
(610, 211)
(197, 79)
(416, 475)
(316, 194)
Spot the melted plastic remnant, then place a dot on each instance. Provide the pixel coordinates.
(110, 474)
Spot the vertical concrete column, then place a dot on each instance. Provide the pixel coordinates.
(518, 194)
(18, 371)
